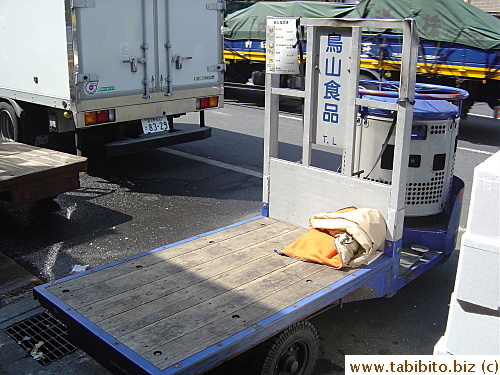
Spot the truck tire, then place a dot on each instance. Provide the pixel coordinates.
(291, 352)
(9, 123)
(258, 78)
(366, 77)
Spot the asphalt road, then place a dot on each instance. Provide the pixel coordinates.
(137, 203)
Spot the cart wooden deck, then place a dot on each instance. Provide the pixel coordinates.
(205, 299)
(29, 173)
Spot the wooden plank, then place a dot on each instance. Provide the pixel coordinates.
(117, 279)
(205, 272)
(33, 158)
(179, 324)
(148, 313)
(48, 188)
(179, 348)
(22, 164)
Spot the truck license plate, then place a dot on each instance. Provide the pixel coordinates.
(154, 124)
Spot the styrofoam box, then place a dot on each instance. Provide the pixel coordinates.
(471, 332)
(478, 277)
(473, 322)
(484, 212)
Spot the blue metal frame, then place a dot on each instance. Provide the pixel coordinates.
(115, 356)
(438, 232)
(103, 347)
(439, 235)
(96, 342)
(381, 278)
(265, 209)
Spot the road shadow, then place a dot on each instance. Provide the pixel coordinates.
(255, 98)
(212, 173)
(35, 235)
(480, 130)
(161, 173)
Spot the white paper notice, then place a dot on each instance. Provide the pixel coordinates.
(281, 49)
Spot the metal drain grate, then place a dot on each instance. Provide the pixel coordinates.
(43, 337)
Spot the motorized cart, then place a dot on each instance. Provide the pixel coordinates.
(187, 307)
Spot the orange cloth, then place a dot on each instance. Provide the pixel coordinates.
(345, 238)
(315, 246)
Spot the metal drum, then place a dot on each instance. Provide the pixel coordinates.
(432, 146)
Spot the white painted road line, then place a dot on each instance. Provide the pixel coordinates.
(291, 117)
(250, 172)
(473, 150)
(479, 115)
(212, 162)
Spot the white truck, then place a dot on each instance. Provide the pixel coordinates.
(108, 76)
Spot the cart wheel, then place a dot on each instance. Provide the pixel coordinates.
(291, 352)
(9, 123)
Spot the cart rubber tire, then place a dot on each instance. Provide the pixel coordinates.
(9, 123)
(291, 352)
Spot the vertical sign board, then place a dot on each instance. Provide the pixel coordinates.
(281, 49)
(334, 80)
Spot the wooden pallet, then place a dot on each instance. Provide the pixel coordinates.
(29, 173)
(173, 303)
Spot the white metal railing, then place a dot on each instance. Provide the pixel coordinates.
(295, 191)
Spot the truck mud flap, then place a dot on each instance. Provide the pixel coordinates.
(151, 141)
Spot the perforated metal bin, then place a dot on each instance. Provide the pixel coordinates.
(432, 152)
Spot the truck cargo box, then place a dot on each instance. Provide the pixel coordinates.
(127, 68)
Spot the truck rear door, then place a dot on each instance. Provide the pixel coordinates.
(133, 46)
(111, 38)
(193, 30)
